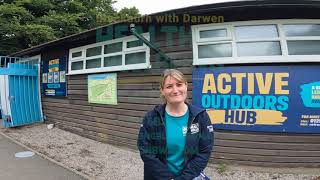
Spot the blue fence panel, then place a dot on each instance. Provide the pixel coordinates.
(24, 95)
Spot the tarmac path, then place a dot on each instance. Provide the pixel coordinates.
(29, 168)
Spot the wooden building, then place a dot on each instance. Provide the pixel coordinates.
(193, 37)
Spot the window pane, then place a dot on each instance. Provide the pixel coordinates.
(302, 29)
(136, 43)
(76, 54)
(215, 50)
(213, 33)
(113, 61)
(112, 48)
(93, 63)
(77, 65)
(259, 49)
(254, 32)
(93, 51)
(304, 47)
(136, 58)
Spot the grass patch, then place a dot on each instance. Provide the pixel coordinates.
(221, 168)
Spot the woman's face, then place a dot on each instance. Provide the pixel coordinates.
(175, 92)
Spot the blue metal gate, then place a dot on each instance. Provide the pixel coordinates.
(20, 93)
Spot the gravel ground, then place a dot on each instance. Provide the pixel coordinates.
(102, 161)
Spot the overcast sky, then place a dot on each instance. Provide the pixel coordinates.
(152, 6)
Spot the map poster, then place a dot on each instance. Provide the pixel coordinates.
(102, 88)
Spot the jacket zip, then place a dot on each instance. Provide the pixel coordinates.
(165, 133)
(185, 147)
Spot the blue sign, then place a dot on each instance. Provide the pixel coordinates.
(260, 98)
(54, 77)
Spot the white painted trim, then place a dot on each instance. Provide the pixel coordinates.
(260, 59)
(124, 51)
(3, 97)
(112, 69)
(6, 77)
(194, 44)
(283, 41)
(4, 93)
(39, 90)
(285, 57)
(233, 43)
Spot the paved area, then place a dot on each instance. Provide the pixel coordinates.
(29, 168)
(100, 161)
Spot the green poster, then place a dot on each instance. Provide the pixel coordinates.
(102, 88)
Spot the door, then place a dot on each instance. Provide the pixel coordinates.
(20, 96)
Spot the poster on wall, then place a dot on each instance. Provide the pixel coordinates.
(53, 77)
(102, 88)
(260, 98)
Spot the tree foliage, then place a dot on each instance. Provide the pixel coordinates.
(27, 23)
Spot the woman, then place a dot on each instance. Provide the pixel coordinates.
(176, 138)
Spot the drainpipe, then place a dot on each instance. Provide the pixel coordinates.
(167, 59)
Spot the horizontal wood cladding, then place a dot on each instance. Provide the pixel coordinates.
(271, 137)
(266, 152)
(153, 75)
(175, 56)
(81, 99)
(122, 93)
(141, 78)
(147, 86)
(263, 158)
(266, 164)
(65, 104)
(107, 124)
(267, 149)
(101, 137)
(107, 117)
(125, 93)
(94, 121)
(181, 63)
(103, 129)
(142, 87)
(99, 112)
(138, 92)
(266, 145)
(182, 36)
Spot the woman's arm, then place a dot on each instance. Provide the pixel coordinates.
(148, 151)
(200, 160)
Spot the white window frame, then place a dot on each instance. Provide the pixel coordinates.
(125, 50)
(235, 59)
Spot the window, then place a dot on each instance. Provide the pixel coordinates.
(77, 65)
(215, 50)
(135, 58)
(94, 51)
(126, 53)
(256, 42)
(76, 54)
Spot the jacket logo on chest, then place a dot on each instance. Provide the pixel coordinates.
(194, 128)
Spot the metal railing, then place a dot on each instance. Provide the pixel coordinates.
(5, 60)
